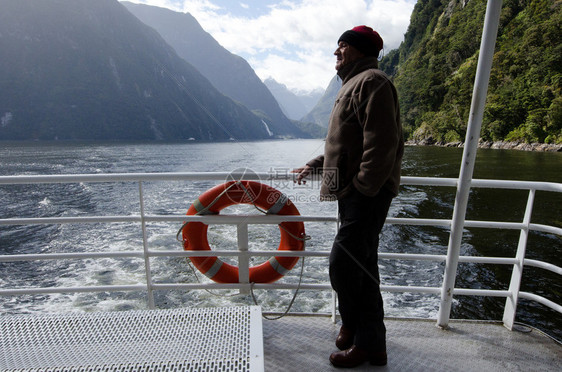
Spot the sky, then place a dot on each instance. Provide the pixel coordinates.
(293, 41)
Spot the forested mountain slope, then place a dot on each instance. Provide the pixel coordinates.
(434, 71)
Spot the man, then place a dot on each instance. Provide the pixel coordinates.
(361, 170)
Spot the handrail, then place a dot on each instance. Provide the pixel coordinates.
(221, 176)
(270, 220)
(245, 220)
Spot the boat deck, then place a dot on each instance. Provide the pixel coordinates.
(238, 339)
(304, 343)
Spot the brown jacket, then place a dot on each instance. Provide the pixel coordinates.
(364, 145)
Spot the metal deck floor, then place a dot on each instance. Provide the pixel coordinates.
(304, 343)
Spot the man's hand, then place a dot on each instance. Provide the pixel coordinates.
(302, 173)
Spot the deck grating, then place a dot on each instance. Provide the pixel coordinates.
(188, 339)
(299, 343)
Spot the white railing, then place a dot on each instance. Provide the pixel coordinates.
(242, 221)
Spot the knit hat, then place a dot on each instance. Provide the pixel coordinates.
(364, 39)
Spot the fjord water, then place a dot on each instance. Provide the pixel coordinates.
(270, 157)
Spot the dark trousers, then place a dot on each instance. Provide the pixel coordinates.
(354, 270)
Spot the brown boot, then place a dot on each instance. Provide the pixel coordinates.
(345, 338)
(355, 356)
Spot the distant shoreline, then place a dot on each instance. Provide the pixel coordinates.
(522, 146)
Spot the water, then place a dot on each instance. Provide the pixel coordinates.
(267, 156)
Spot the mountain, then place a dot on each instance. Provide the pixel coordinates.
(82, 69)
(435, 65)
(295, 106)
(310, 99)
(320, 114)
(229, 73)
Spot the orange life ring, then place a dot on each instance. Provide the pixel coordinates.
(265, 197)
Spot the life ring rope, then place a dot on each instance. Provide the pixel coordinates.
(267, 201)
(252, 291)
(290, 303)
(203, 210)
(281, 201)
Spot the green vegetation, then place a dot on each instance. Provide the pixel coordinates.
(434, 71)
(312, 129)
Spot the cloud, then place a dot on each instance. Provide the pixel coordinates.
(294, 42)
(304, 72)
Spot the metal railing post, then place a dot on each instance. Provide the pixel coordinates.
(517, 273)
(479, 93)
(244, 257)
(150, 292)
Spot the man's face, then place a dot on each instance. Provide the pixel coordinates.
(345, 54)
